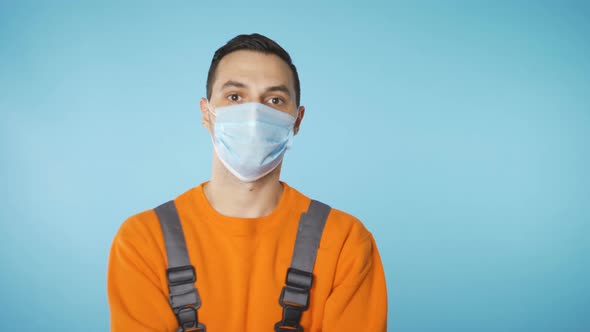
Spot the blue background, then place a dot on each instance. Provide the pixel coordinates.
(457, 131)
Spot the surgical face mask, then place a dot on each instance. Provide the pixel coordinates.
(251, 138)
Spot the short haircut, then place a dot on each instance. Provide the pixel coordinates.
(253, 42)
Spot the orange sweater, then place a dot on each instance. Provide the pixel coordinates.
(241, 265)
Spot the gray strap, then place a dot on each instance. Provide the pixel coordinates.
(309, 233)
(296, 294)
(173, 235)
(181, 275)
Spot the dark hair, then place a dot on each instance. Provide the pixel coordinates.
(252, 42)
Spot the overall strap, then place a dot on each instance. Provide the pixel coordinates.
(295, 295)
(184, 297)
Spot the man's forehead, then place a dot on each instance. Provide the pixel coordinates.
(253, 68)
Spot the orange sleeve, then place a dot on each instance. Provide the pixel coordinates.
(136, 298)
(358, 301)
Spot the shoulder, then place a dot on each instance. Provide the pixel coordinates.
(141, 232)
(144, 226)
(142, 229)
(138, 225)
(344, 229)
(341, 227)
(351, 245)
(139, 245)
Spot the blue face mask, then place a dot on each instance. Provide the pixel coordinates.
(250, 139)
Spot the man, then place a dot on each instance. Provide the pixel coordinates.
(240, 226)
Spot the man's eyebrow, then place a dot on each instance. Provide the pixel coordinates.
(281, 87)
(234, 84)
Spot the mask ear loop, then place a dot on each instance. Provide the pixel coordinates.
(292, 131)
(210, 109)
(296, 118)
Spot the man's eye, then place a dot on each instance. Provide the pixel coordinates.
(276, 101)
(233, 97)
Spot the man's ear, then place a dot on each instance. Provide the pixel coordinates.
(299, 119)
(205, 120)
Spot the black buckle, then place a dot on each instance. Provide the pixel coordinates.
(291, 320)
(296, 292)
(294, 297)
(294, 300)
(299, 279)
(181, 275)
(188, 319)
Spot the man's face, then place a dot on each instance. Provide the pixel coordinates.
(248, 76)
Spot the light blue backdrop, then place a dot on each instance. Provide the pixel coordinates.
(457, 131)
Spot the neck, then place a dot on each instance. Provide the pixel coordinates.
(231, 197)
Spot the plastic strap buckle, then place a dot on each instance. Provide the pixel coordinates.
(296, 292)
(299, 279)
(291, 319)
(294, 300)
(188, 319)
(181, 275)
